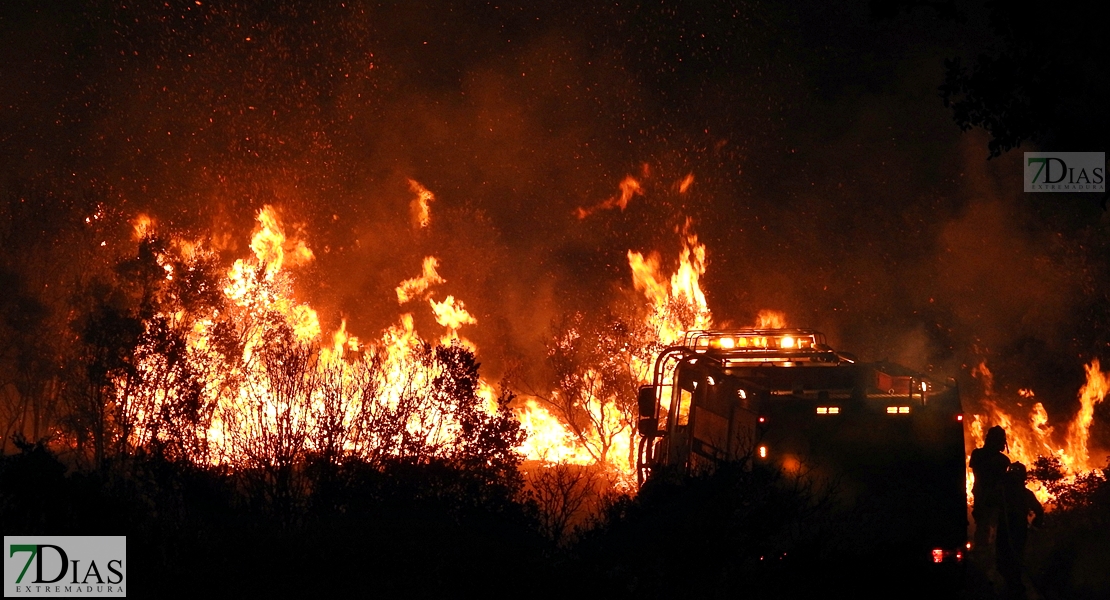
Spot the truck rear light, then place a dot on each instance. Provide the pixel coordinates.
(940, 555)
(763, 452)
(960, 418)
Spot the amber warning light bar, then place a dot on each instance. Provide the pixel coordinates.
(756, 340)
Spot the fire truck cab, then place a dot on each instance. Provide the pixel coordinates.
(889, 439)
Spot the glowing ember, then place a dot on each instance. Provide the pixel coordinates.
(685, 183)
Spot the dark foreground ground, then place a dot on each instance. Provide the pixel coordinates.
(434, 531)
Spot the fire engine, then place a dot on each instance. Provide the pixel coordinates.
(889, 439)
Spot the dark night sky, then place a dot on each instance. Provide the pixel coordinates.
(830, 179)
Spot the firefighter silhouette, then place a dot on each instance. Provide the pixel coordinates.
(1013, 528)
(988, 464)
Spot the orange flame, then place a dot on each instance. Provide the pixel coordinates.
(411, 288)
(143, 225)
(253, 413)
(275, 395)
(420, 207)
(1092, 393)
(452, 315)
(676, 304)
(271, 246)
(1033, 436)
(681, 305)
(629, 187)
(771, 319)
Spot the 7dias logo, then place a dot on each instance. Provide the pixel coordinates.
(1065, 171)
(37, 565)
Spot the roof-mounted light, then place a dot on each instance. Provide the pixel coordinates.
(753, 340)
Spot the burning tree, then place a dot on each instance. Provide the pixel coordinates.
(595, 384)
(223, 367)
(599, 361)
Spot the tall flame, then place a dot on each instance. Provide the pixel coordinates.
(675, 304)
(1092, 393)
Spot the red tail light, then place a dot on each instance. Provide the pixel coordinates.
(941, 555)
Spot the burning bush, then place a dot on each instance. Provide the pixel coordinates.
(1061, 461)
(183, 359)
(1068, 492)
(1068, 557)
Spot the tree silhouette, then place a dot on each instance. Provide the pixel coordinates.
(45, 248)
(1044, 83)
(30, 384)
(598, 365)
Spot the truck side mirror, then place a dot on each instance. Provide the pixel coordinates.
(646, 401)
(648, 427)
